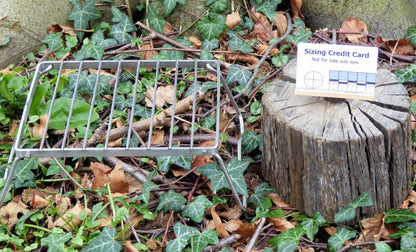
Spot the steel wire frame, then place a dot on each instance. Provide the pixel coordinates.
(213, 66)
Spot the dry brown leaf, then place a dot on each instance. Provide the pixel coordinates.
(296, 6)
(116, 143)
(38, 202)
(101, 172)
(277, 200)
(280, 21)
(262, 48)
(118, 183)
(401, 46)
(179, 171)
(129, 247)
(167, 28)
(39, 129)
(158, 137)
(74, 212)
(246, 230)
(61, 28)
(262, 32)
(197, 43)
(411, 197)
(154, 245)
(281, 224)
(233, 225)
(63, 203)
(354, 25)
(164, 94)
(232, 20)
(199, 161)
(375, 229)
(259, 17)
(219, 226)
(13, 127)
(330, 230)
(247, 58)
(146, 55)
(233, 213)
(9, 213)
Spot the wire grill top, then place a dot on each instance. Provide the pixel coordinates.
(121, 108)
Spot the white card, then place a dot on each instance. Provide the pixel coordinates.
(342, 71)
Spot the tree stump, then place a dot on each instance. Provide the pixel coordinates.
(321, 153)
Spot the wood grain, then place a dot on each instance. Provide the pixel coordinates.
(321, 153)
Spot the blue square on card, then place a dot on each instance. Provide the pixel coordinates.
(352, 76)
(361, 78)
(343, 76)
(333, 75)
(371, 78)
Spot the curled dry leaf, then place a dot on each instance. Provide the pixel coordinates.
(262, 48)
(39, 129)
(401, 46)
(232, 20)
(354, 25)
(158, 137)
(101, 172)
(277, 200)
(74, 212)
(9, 213)
(296, 5)
(197, 43)
(233, 225)
(118, 183)
(233, 213)
(145, 54)
(280, 22)
(129, 247)
(164, 94)
(330, 230)
(61, 28)
(281, 224)
(259, 17)
(250, 59)
(263, 32)
(375, 229)
(219, 226)
(246, 230)
(38, 202)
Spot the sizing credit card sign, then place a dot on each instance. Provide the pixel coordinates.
(341, 71)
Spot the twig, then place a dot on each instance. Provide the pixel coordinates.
(193, 189)
(352, 245)
(382, 19)
(132, 228)
(167, 226)
(222, 243)
(256, 234)
(67, 174)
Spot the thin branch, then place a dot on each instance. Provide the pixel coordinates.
(256, 234)
(353, 245)
(222, 243)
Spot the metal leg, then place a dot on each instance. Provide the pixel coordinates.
(8, 175)
(227, 176)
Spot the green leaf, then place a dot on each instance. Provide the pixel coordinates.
(198, 242)
(280, 59)
(293, 234)
(337, 240)
(104, 242)
(210, 44)
(121, 30)
(60, 113)
(100, 40)
(238, 74)
(6, 41)
(171, 54)
(38, 97)
(196, 209)
(209, 122)
(255, 108)
(24, 175)
(183, 233)
(238, 44)
(311, 225)
(90, 51)
(382, 247)
(147, 187)
(169, 5)
(287, 246)
(82, 15)
(258, 197)
(56, 241)
(218, 181)
(211, 236)
(54, 41)
(406, 75)
(155, 22)
(411, 35)
(164, 162)
(300, 34)
(217, 5)
(408, 241)
(171, 201)
(399, 215)
(206, 55)
(250, 141)
(363, 200)
(211, 28)
(347, 213)
(268, 8)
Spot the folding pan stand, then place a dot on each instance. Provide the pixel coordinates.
(64, 144)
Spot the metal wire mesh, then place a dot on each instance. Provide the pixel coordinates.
(170, 124)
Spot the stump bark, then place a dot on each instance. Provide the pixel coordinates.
(321, 153)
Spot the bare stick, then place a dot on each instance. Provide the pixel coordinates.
(256, 234)
(222, 243)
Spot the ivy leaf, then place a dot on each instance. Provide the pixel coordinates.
(411, 35)
(217, 5)
(183, 233)
(238, 44)
(337, 240)
(399, 215)
(258, 197)
(24, 175)
(98, 37)
(408, 241)
(300, 34)
(348, 212)
(290, 235)
(268, 8)
(311, 225)
(90, 51)
(155, 22)
(147, 187)
(218, 181)
(56, 241)
(210, 44)
(81, 15)
(54, 41)
(211, 236)
(164, 162)
(171, 201)
(121, 30)
(201, 240)
(211, 28)
(280, 59)
(206, 55)
(250, 141)
(169, 5)
(406, 75)
(104, 242)
(382, 247)
(238, 74)
(287, 246)
(196, 209)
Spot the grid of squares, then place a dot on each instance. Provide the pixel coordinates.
(356, 82)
